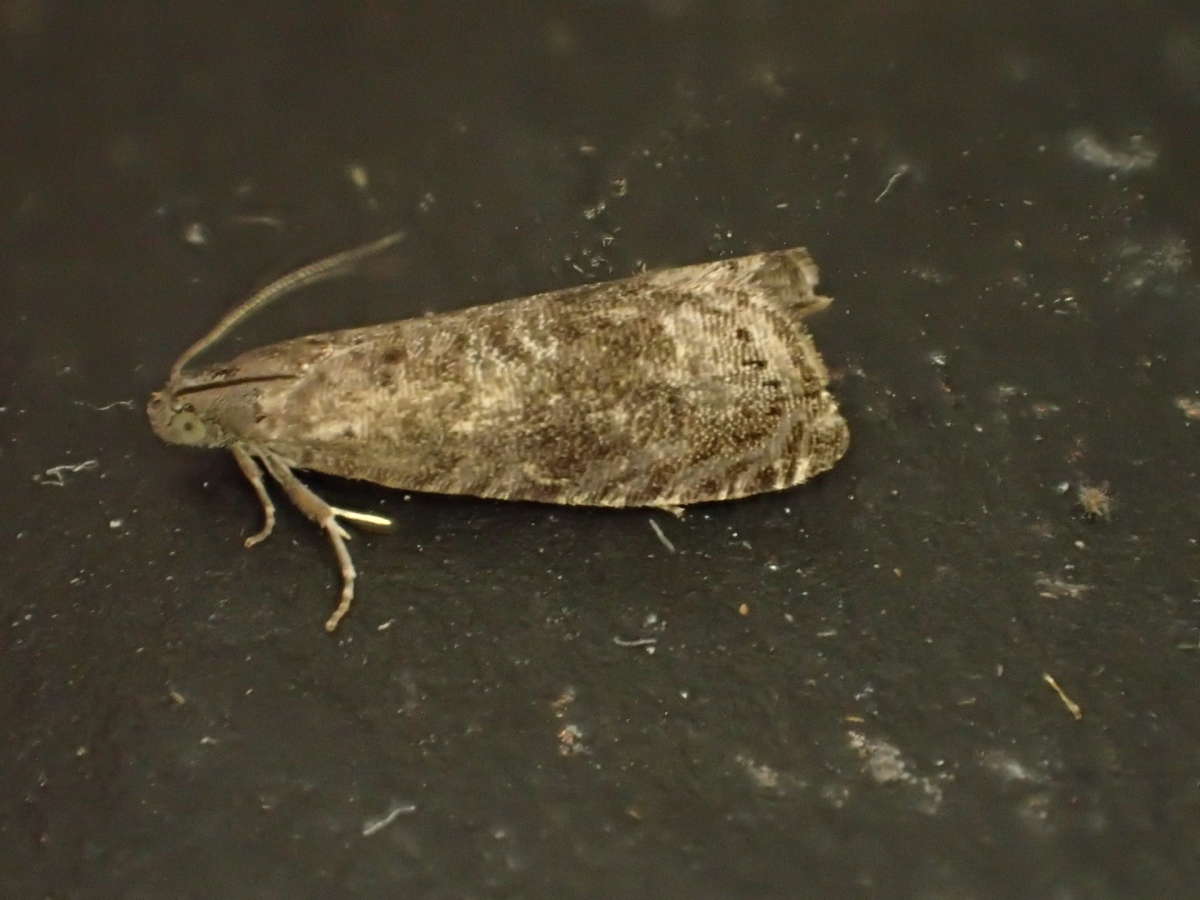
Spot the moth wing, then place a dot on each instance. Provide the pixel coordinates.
(783, 277)
(673, 387)
(757, 415)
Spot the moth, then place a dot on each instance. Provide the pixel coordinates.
(666, 389)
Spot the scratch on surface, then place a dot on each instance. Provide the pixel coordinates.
(126, 404)
(258, 219)
(1073, 708)
(648, 642)
(666, 541)
(372, 826)
(891, 182)
(54, 474)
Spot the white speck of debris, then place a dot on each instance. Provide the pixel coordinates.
(1169, 254)
(115, 523)
(565, 698)
(570, 740)
(1042, 409)
(663, 539)
(929, 274)
(384, 626)
(1189, 406)
(1052, 588)
(1062, 487)
(372, 826)
(1138, 153)
(358, 175)
(885, 764)
(196, 234)
(761, 774)
(999, 762)
(938, 357)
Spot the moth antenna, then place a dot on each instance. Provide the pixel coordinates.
(328, 267)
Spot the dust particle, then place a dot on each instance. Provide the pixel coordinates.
(1189, 406)
(1095, 500)
(1135, 154)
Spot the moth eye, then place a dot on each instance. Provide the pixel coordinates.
(188, 427)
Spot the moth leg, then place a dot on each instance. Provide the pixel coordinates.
(254, 475)
(676, 511)
(325, 516)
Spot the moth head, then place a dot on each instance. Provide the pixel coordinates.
(176, 421)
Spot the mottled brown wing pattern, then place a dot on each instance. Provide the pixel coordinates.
(670, 388)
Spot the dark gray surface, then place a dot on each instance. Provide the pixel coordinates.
(1017, 316)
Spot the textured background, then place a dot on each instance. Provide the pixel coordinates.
(846, 692)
